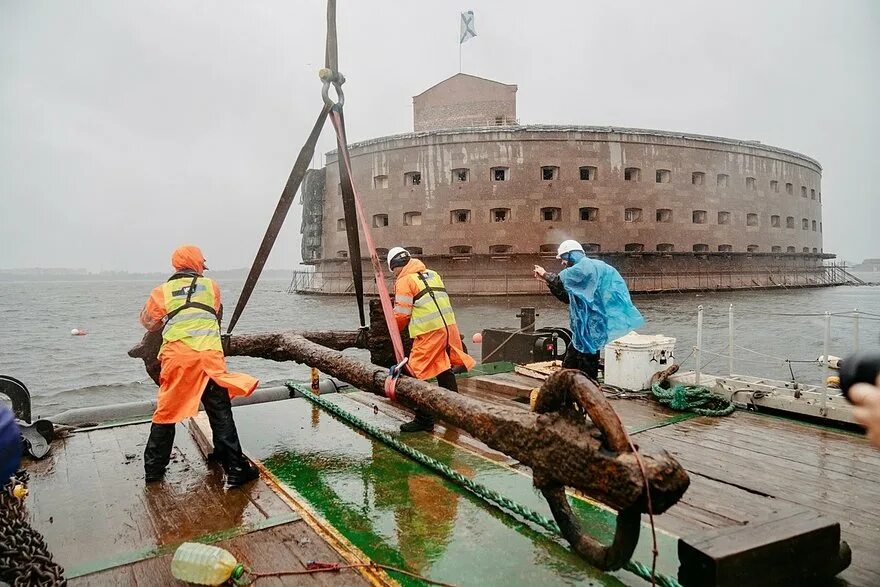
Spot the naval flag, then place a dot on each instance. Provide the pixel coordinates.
(467, 26)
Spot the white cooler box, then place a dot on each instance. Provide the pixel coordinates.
(631, 360)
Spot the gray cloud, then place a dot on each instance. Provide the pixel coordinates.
(130, 128)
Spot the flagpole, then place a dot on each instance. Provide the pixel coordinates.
(459, 57)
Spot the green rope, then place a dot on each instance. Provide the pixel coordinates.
(698, 399)
(477, 489)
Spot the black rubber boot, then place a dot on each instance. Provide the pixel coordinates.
(158, 451)
(227, 448)
(420, 423)
(238, 475)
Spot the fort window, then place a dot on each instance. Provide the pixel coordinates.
(814, 226)
(789, 222)
(751, 184)
(412, 219)
(775, 249)
(632, 215)
(663, 176)
(460, 250)
(380, 220)
(501, 249)
(805, 224)
(723, 217)
(412, 178)
(634, 247)
(460, 175)
(414, 250)
(588, 173)
(774, 186)
(340, 225)
(752, 248)
(774, 221)
(549, 173)
(342, 254)
(789, 189)
(701, 248)
(591, 247)
(499, 120)
(380, 182)
(820, 227)
(721, 180)
(751, 220)
(806, 249)
(815, 250)
(499, 214)
(500, 173)
(665, 247)
(551, 214)
(548, 249)
(460, 216)
(725, 248)
(820, 196)
(812, 194)
(589, 214)
(631, 174)
(664, 215)
(699, 217)
(698, 178)
(790, 250)
(803, 191)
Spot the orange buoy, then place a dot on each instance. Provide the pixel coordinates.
(477, 338)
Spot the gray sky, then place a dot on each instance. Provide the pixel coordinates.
(127, 128)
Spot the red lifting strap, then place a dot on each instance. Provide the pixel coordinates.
(387, 310)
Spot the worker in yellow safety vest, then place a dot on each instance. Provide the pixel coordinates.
(187, 310)
(422, 304)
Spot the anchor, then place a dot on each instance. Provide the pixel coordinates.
(573, 439)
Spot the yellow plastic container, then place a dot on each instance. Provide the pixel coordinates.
(204, 564)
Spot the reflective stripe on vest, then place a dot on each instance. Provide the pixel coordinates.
(193, 324)
(431, 307)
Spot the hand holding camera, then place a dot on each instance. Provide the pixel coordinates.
(860, 384)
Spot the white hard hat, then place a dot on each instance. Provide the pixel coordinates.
(567, 247)
(395, 252)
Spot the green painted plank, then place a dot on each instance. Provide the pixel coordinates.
(400, 513)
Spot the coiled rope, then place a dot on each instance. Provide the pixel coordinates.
(489, 495)
(693, 398)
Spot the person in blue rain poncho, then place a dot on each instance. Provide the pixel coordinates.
(598, 301)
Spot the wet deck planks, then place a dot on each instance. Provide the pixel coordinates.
(89, 501)
(749, 467)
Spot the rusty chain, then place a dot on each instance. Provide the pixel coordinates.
(25, 559)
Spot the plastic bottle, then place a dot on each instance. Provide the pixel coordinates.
(204, 564)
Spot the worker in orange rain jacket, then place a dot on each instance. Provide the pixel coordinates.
(421, 302)
(187, 310)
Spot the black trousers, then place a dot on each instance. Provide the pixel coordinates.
(446, 380)
(588, 363)
(227, 448)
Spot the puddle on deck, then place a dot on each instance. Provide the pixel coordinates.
(400, 513)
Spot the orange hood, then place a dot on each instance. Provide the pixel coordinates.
(188, 257)
(414, 266)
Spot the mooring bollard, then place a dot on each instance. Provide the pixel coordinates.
(824, 410)
(698, 348)
(730, 340)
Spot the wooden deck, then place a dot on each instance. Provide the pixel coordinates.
(106, 527)
(748, 467)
